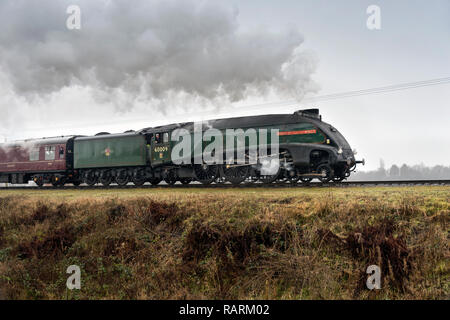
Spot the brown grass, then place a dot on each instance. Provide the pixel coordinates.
(246, 244)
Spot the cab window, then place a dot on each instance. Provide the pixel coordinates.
(161, 137)
(158, 138)
(50, 153)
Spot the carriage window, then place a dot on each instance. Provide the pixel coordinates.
(49, 153)
(61, 152)
(34, 154)
(166, 137)
(158, 138)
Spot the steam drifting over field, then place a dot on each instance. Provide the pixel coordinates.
(154, 51)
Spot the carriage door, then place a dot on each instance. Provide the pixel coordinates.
(160, 148)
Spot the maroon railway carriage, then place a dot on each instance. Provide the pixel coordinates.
(47, 160)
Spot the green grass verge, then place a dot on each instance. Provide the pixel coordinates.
(225, 244)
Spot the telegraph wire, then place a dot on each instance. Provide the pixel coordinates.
(348, 94)
(391, 88)
(287, 103)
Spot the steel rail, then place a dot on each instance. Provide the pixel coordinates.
(196, 185)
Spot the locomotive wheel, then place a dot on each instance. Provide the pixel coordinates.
(221, 179)
(138, 181)
(106, 180)
(292, 175)
(122, 179)
(171, 178)
(253, 176)
(338, 178)
(90, 179)
(155, 181)
(170, 181)
(186, 180)
(305, 180)
(325, 170)
(270, 178)
(206, 174)
(236, 174)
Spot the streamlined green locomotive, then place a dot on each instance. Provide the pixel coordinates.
(303, 146)
(307, 148)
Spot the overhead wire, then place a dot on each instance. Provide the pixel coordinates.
(293, 102)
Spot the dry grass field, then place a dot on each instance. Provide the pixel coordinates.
(225, 244)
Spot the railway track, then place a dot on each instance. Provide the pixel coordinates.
(243, 185)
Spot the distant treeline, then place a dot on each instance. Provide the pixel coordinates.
(403, 172)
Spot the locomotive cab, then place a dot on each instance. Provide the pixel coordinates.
(160, 148)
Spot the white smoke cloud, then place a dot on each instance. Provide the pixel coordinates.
(147, 50)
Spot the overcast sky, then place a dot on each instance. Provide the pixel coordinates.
(157, 62)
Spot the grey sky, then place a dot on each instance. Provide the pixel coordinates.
(164, 61)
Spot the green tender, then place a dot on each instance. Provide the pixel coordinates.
(121, 150)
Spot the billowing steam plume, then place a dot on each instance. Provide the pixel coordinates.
(147, 50)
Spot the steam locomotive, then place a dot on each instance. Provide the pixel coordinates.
(306, 148)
